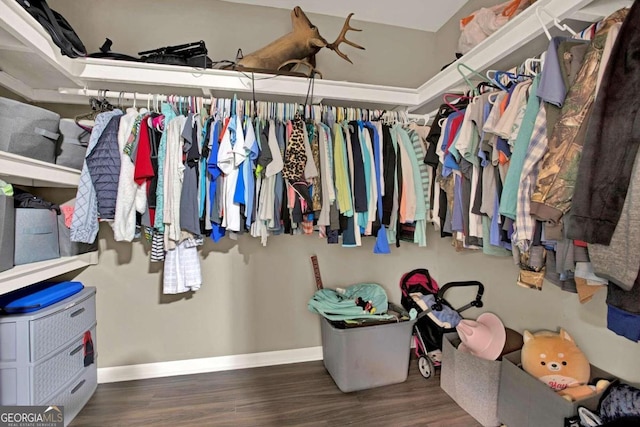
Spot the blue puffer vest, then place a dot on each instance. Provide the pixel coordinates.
(104, 167)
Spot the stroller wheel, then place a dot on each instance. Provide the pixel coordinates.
(425, 366)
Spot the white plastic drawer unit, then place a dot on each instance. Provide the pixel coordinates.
(50, 375)
(42, 352)
(48, 332)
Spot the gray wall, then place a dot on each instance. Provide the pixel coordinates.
(254, 299)
(394, 56)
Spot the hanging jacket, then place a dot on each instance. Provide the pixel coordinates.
(611, 143)
(557, 179)
(84, 227)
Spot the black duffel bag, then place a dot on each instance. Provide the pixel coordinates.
(190, 54)
(60, 30)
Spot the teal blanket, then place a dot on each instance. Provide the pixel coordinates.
(335, 305)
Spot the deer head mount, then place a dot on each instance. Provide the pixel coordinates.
(300, 46)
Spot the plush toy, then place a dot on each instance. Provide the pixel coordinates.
(556, 360)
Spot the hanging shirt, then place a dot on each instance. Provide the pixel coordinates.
(173, 178)
(169, 115)
(343, 187)
(227, 162)
(124, 222)
(248, 168)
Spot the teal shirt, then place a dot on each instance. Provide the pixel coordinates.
(419, 235)
(169, 114)
(509, 198)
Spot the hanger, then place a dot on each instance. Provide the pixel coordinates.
(556, 23)
(472, 72)
(494, 80)
(457, 97)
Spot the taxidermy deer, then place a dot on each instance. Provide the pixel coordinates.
(300, 46)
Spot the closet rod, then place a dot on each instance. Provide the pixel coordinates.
(207, 100)
(124, 95)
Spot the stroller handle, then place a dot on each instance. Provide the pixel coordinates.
(477, 302)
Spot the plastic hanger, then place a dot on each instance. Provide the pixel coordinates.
(472, 72)
(447, 98)
(556, 23)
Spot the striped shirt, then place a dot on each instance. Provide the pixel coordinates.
(538, 146)
(418, 148)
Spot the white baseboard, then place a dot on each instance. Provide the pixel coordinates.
(208, 364)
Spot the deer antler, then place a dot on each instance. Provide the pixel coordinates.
(341, 38)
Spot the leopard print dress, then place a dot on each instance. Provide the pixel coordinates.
(295, 157)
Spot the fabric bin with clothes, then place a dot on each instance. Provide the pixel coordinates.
(471, 360)
(28, 130)
(524, 400)
(73, 144)
(471, 381)
(7, 232)
(67, 247)
(36, 235)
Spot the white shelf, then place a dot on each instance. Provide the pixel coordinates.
(28, 274)
(35, 173)
(522, 29)
(33, 66)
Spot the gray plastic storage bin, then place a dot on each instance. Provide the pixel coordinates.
(36, 235)
(7, 232)
(28, 130)
(368, 356)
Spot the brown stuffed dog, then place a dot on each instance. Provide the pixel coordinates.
(556, 360)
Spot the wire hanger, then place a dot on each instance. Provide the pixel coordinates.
(556, 23)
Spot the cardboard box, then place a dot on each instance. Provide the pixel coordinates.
(471, 381)
(526, 401)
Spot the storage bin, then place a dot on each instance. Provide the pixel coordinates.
(471, 381)
(367, 356)
(525, 401)
(36, 235)
(28, 130)
(69, 248)
(73, 145)
(7, 232)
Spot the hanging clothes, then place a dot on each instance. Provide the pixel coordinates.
(556, 180)
(84, 226)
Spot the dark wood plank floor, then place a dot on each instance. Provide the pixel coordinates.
(302, 394)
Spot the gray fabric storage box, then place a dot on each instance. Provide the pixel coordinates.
(69, 248)
(367, 356)
(28, 130)
(36, 235)
(73, 145)
(471, 381)
(525, 401)
(7, 232)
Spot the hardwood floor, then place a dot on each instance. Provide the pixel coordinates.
(302, 394)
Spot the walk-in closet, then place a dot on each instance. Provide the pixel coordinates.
(278, 213)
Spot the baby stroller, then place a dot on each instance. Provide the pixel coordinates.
(421, 293)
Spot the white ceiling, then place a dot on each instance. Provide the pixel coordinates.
(415, 14)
